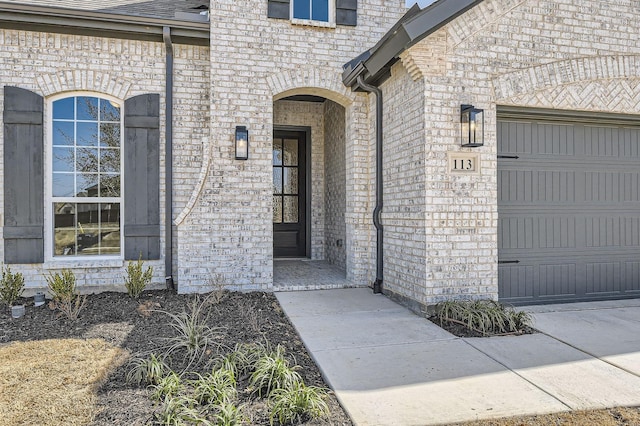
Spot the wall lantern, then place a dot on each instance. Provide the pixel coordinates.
(242, 143)
(472, 126)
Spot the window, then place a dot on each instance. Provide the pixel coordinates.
(313, 10)
(85, 177)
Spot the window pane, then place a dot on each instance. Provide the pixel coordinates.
(87, 134)
(301, 9)
(87, 108)
(277, 180)
(290, 209)
(291, 152)
(87, 160)
(88, 230)
(110, 135)
(277, 209)
(320, 10)
(64, 234)
(109, 185)
(86, 185)
(63, 133)
(277, 152)
(290, 180)
(109, 160)
(63, 160)
(62, 185)
(110, 228)
(109, 110)
(86, 163)
(64, 109)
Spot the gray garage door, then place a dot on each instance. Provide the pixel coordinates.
(569, 206)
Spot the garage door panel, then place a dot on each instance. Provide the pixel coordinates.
(632, 275)
(603, 277)
(557, 279)
(569, 209)
(518, 282)
(537, 232)
(606, 141)
(541, 139)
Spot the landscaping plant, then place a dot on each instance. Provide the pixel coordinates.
(66, 299)
(137, 279)
(486, 317)
(297, 403)
(217, 387)
(228, 414)
(168, 386)
(180, 411)
(147, 370)
(272, 371)
(11, 286)
(242, 359)
(193, 334)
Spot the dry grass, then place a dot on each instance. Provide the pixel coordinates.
(54, 382)
(610, 417)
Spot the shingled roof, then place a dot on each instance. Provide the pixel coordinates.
(166, 9)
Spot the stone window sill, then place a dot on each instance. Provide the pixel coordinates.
(311, 23)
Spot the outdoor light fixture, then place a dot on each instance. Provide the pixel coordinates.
(242, 143)
(471, 126)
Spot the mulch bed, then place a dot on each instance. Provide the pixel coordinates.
(139, 327)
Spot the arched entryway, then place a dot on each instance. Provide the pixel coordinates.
(309, 191)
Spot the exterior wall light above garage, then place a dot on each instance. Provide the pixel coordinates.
(471, 126)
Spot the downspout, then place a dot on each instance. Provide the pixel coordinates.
(377, 222)
(168, 160)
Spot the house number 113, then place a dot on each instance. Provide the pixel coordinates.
(463, 164)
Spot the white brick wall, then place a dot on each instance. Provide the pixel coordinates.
(335, 181)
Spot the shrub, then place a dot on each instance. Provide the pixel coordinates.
(193, 334)
(11, 286)
(218, 387)
(298, 403)
(147, 370)
(137, 280)
(62, 286)
(486, 317)
(272, 372)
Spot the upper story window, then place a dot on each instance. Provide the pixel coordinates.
(313, 10)
(317, 13)
(85, 177)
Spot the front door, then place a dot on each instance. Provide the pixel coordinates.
(289, 194)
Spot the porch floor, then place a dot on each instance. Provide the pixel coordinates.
(305, 274)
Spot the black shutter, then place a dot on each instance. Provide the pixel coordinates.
(278, 9)
(142, 177)
(23, 176)
(347, 12)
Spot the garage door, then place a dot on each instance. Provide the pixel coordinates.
(569, 206)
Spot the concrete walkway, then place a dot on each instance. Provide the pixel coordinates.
(388, 366)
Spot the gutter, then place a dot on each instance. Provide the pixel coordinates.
(377, 222)
(59, 20)
(168, 160)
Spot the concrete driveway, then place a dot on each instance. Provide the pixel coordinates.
(388, 366)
